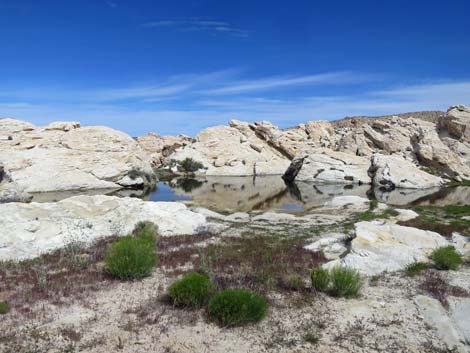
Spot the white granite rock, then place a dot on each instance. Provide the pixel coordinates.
(29, 230)
(380, 247)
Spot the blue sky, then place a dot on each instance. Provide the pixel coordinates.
(179, 66)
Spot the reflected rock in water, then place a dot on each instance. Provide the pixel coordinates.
(432, 196)
(402, 197)
(316, 195)
(246, 194)
(235, 193)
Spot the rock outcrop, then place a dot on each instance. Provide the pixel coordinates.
(430, 144)
(64, 156)
(327, 166)
(224, 150)
(390, 172)
(160, 147)
(10, 191)
(457, 122)
(379, 247)
(29, 230)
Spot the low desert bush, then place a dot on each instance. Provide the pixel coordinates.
(415, 268)
(345, 282)
(236, 307)
(311, 337)
(146, 230)
(133, 256)
(320, 279)
(4, 307)
(193, 290)
(446, 258)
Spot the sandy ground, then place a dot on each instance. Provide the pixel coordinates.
(134, 317)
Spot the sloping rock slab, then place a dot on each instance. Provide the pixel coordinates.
(436, 317)
(28, 230)
(392, 172)
(380, 247)
(326, 166)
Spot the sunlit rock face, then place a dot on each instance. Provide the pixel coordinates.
(160, 147)
(64, 156)
(224, 150)
(380, 246)
(29, 230)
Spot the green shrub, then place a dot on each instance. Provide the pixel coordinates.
(446, 258)
(146, 230)
(320, 279)
(296, 283)
(345, 282)
(131, 257)
(193, 290)
(312, 337)
(189, 166)
(415, 268)
(4, 308)
(235, 307)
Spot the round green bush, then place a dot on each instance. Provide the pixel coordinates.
(131, 258)
(320, 279)
(446, 258)
(193, 290)
(345, 282)
(236, 307)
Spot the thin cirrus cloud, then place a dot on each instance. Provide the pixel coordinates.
(195, 25)
(111, 4)
(269, 83)
(190, 102)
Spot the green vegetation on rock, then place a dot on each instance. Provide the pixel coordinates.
(416, 268)
(446, 258)
(189, 166)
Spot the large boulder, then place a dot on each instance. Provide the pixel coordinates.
(390, 172)
(64, 156)
(327, 166)
(457, 122)
(29, 230)
(224, 150)
(379, 247)
(10, 191)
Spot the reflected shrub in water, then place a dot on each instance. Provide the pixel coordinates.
(188, 184)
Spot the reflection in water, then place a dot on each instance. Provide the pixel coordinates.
(231, 194)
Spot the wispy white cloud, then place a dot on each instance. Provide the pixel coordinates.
(195, 25)
(270, 83)
(111, 4)
(185, 103)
